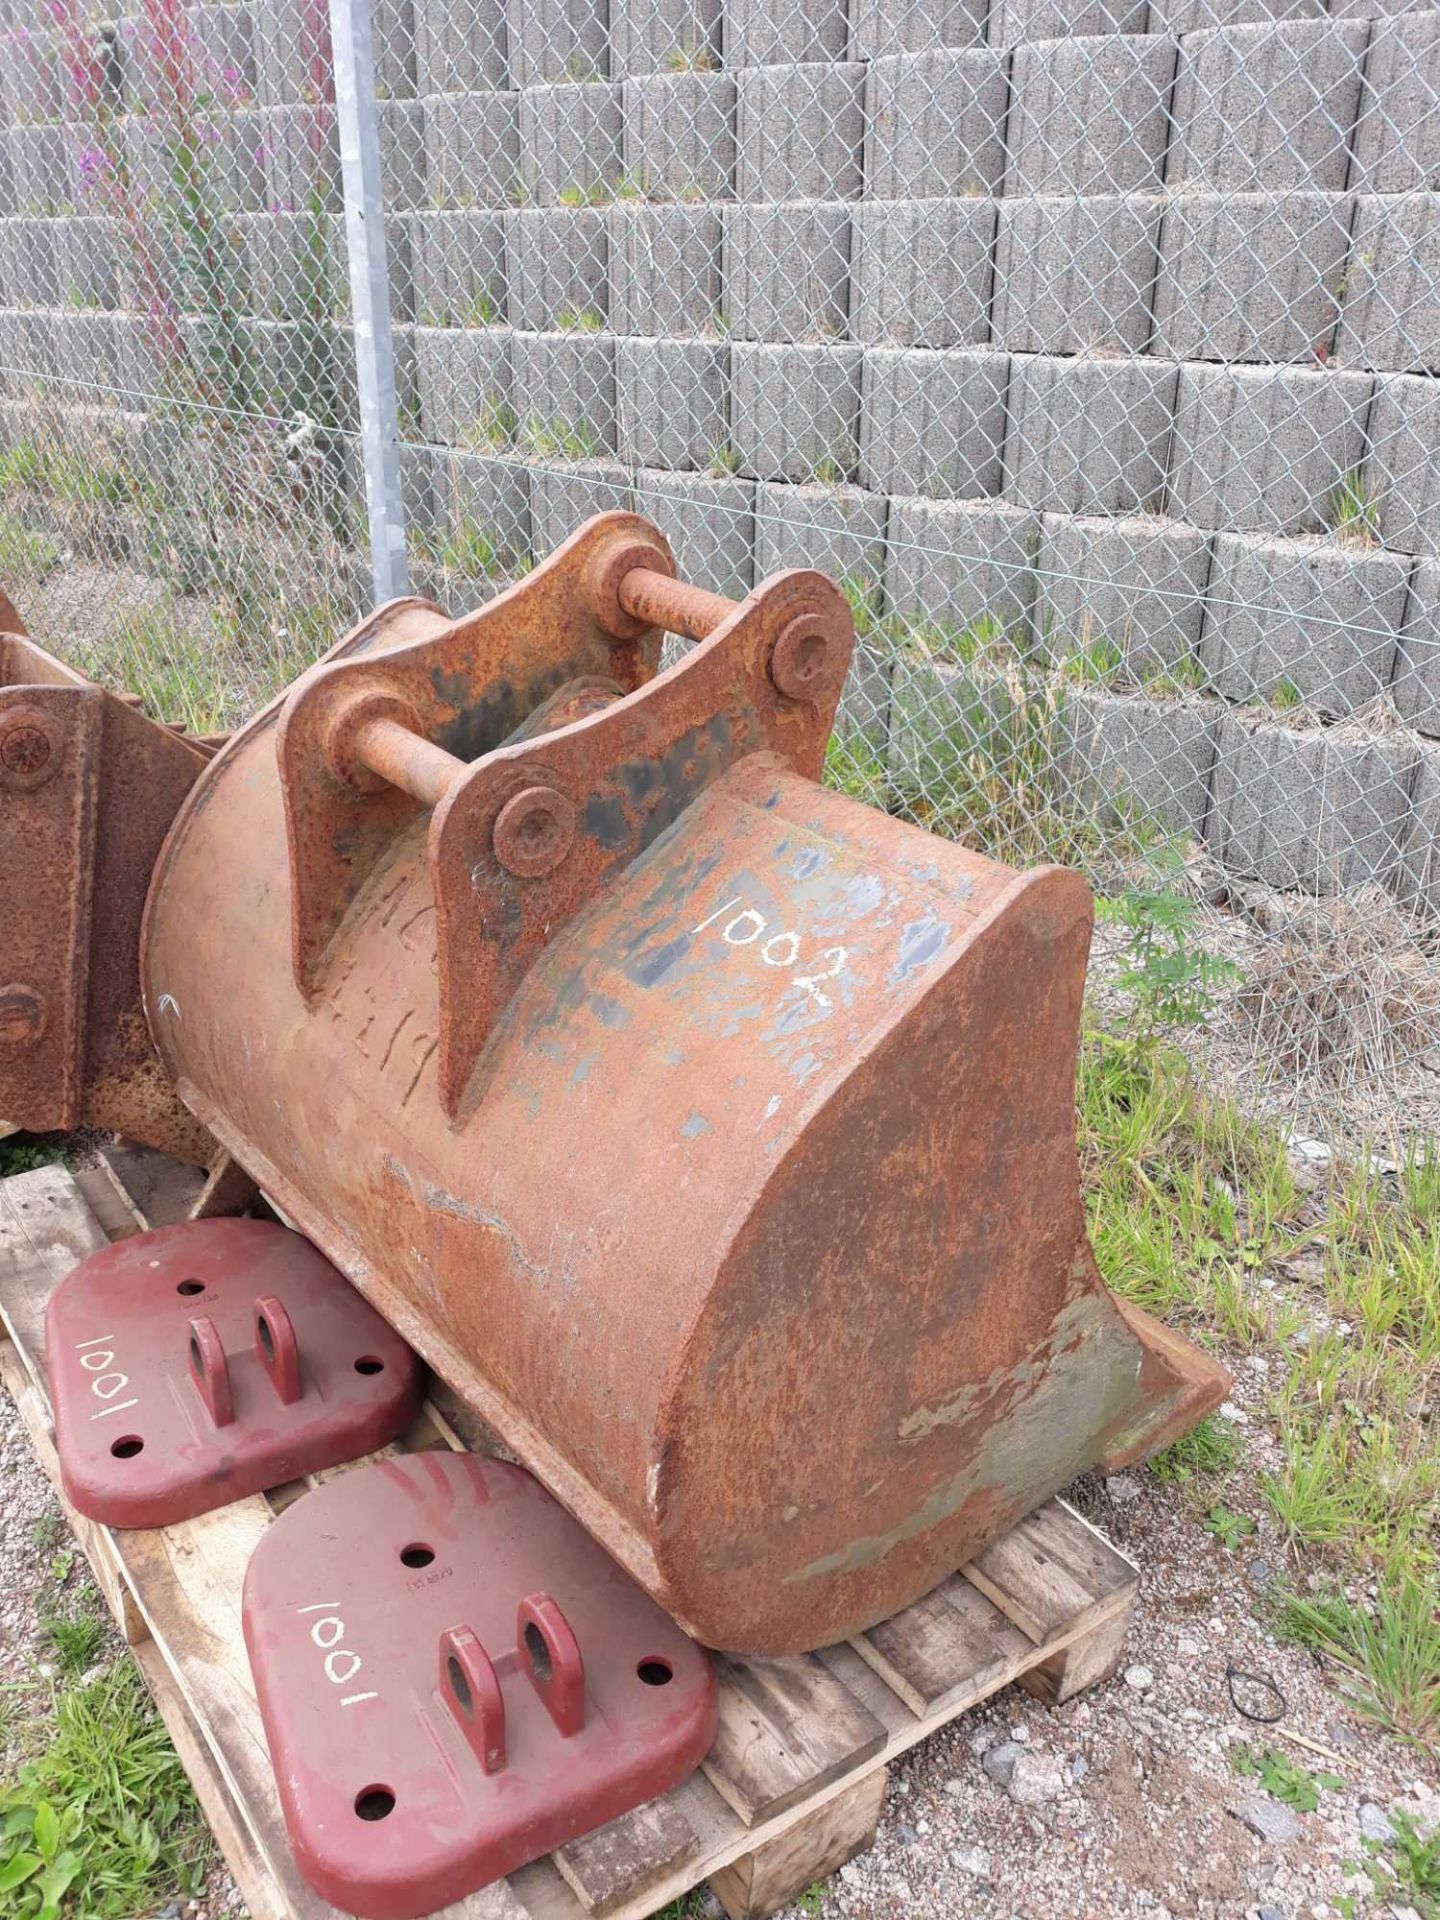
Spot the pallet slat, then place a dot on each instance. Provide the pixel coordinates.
(794, 1782)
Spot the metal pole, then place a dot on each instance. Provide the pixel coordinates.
(358, 114)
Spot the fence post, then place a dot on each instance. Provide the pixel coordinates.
(358, 114)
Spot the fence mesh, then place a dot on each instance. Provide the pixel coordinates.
(1092, 348)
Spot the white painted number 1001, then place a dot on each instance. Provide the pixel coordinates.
(747, 927)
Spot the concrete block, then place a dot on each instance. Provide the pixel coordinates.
(42, 160)
(7, 177)
(936, 124)
(795, 411)
(402, 155)
(1088, 436)
(551, 40)
(565, 494)
(418, 467)
(460, 268)
(1307, 621)
(464, 380)
(32, 271)
(1267, 107)
(1391, 318)
(1135, 759)
(570, 144)
(564, 393)
(1318, 810)
(85, 262)
(1402, 471)
(1073, 275)
(1136, 585)
(472, 149)
(27, 351)
(710, 523)
(921, 272)
(556, 263)
(291, 57)
(839, 530)
(1397, 140)
(961, 563)
(786, 270)
(1184, 16)
(800, 132)
(482, 507)
(672, 402)
(934, 423)
(1012, 21)
(955, 723)
(665, 36)
(1417, 879)
(861, 734)
(679, 136)
(85, 350)
(460, 49)
(222, 54)
(879, 28)
(1416, 685)
(1265, 448)
(758, 33)
(664, 268)
(32, 87)
(1251, 276)
(1091, 115)
(296, 151)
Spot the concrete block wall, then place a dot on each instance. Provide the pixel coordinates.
(1110, 328)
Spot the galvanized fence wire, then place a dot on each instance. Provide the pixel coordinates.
(1092, 348)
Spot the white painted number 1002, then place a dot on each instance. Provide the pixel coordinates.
(747, 926)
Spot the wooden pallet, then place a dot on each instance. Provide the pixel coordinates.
(794, 1782)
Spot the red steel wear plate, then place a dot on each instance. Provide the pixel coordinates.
(456, 1679)
(201, 1362)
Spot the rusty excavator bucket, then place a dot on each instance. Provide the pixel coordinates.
(712, 1134)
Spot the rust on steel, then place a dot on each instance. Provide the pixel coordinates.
(711, 1133)
(88, 788)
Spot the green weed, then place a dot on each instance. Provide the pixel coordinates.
(1208, 1450)
(1284, 1779)
(1389, 1654)
(102, 1821)
(1352, 511)
(1230, 1529)
(77, 1641)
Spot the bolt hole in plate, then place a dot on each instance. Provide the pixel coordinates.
(137, 1444)
(357, 1683)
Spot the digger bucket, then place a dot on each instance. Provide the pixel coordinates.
(712, 1134)
(88, 788)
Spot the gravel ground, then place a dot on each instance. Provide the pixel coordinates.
(1120, 1803)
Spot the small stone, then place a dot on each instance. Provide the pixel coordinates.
(1079, 1767)
(1271, 1913)
(905, 1834)
(1189, 1648)
(973, 1860)
(984, 1739)
(1375, 1823)
(1035, 1778)
(1261, 1572)
(1122, 1488)
(851, 1875)
(999, 1762)
(1140, 1678)
(1237, 1416)
(1339, 1735)
(1268, 1818)
(956, 1788)
(1315, 1152)
(1022, 1734)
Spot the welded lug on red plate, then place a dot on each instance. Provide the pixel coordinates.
(202, 1362)
(562, 1696)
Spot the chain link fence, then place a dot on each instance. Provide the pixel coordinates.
(1092, 348)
